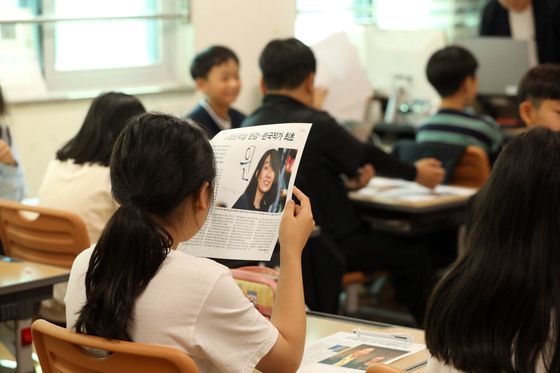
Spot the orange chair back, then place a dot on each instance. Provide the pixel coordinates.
(41, 235)
(64, 351)
(473, 168)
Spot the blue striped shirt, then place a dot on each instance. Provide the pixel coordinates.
(461, 128)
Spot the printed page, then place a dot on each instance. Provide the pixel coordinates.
(396, 190)
(350, 352)
(255, 171)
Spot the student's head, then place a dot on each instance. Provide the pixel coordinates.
(107, 116)
(162, 170)
(287, 64)
(539, 97)
(265, 179)
(216, 73)
(499, 305)
(452, 72)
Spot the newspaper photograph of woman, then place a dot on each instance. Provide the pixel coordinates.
(267, 189)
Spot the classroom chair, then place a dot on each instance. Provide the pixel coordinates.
(63, 351)
(40, 234)
(473, 168)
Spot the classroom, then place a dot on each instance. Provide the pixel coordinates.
(279, 186)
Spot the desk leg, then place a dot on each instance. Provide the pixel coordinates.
(23, 353)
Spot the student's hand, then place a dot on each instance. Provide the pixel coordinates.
(296, 225)
(6, 156)
(365, 174)
(429, 172)
(319, 96)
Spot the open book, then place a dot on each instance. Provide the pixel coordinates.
(355, 352)
(255, 172)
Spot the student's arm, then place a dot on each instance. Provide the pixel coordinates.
(288, 315)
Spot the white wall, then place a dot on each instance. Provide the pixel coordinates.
(39, 129)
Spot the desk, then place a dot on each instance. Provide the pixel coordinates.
(407, 208)
(322, 325)
(23, 285)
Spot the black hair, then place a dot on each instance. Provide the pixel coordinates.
(498, 307)
(286, 63)
(158, 162)
(270, 196)
(215, 55)
(540, 83)
(105, 119)
(448, 68)
(2, 103)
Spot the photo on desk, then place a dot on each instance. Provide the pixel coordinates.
(360, 357)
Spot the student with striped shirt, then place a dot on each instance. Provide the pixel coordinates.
(452, 72)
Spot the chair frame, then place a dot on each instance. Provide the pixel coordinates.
(62, 350)
(40, 234)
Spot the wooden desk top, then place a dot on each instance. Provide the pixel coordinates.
(320, 326)
(410, 197)
(21, 275)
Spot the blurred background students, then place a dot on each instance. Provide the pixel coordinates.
(216, 73)
(536, 21)
(12, 185)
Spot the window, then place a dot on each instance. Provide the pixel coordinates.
(317, 19)
(75, 46)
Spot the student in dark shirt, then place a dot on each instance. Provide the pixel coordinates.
(511, 18)
(288, 68)
(216, 73)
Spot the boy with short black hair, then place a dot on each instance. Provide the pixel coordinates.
(216, 73)
(452, 72)
(539, 97)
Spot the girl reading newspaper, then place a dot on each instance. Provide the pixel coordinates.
(133, 285)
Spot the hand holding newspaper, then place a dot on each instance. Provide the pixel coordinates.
(255, 172)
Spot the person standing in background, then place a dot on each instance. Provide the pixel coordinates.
(12, 185)
(536, 21)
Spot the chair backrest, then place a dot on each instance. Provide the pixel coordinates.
(64, 351)
(473, 168)
(259, 286)
(449, 155)
(41, 234)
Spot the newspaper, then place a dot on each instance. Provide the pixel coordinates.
(355, 352)
(255, 172)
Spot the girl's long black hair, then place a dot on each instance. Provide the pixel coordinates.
(157, 163)
(270, 196)
(498, 307)
(105, 119)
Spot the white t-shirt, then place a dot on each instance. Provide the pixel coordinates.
(84, 189)
(192, 304)
(522, 25)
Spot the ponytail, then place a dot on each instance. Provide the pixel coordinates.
(126, 258)
(159, 161)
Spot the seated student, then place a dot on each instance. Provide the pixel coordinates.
(262, 189)
(78, 179)
(133, 285)
(12, 185)
(288, 68)
(539, 97)
(216, 73)
(452, 72)
(496, 310)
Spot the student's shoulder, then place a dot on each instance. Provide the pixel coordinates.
(197, 113)
(180, 264)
